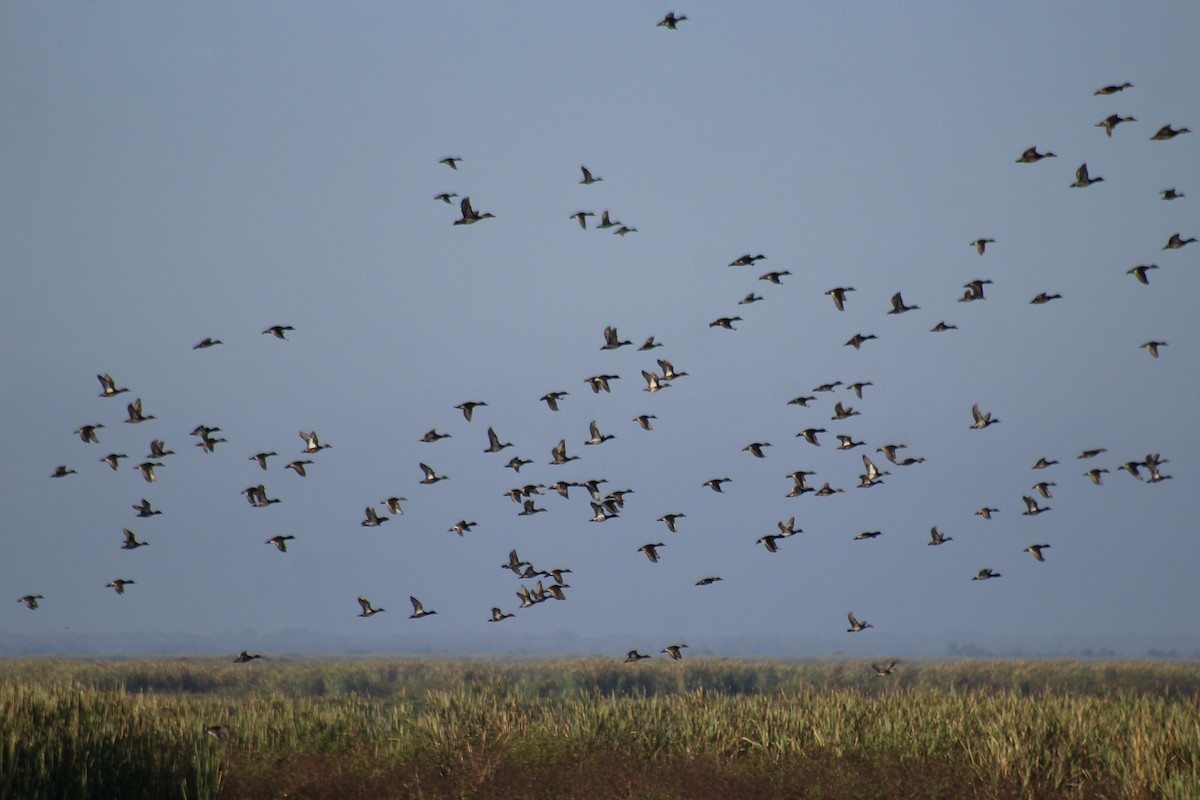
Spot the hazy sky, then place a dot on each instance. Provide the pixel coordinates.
(173, 172)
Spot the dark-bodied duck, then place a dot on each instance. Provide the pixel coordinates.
(367, 609)
(1176, 241)
(261, 458)
(1082, 179)
(856, 341)
(1035, 550)
(673, 651)
(1113, 89)
(1171, 194)
(598, 382)
(62, 471)
(113, 459)
(158, 449)
(108, 386)
(669, 22)
(774, 277)
(588, 177)
(596, 436)
(312, 442)
(984, 574)
(1031, 156)
(373, 520)
(1031, 506)
(30, 601)
(755, 449)
(468, 408)
(856, 624)
(298, 466)
(1140, 271)
(131, 541)
(1167, 132)
(1152, 346)
(651, 551)
(980, 245)
(469, 215)
(278, 330)
(430, 475)
(838, 293)
(494, 443)
(119, 585)
(147, 470)
(1112, 121)
(611, 340)
(135, 412)
(418, 609)
(936, 537)
(898, 306)
(87, 433)
(144, 509)
(280, 541)
(551, 399)
(981, 420)
(206, 342)
(746, 261)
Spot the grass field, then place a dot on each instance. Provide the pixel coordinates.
(597, 728)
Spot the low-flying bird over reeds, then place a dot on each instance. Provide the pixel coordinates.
(856, 624)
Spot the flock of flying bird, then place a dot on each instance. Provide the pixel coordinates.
(540, 584)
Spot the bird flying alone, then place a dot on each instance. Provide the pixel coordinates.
(669, 22)
(856, 624)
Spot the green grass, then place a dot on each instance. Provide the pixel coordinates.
(597, 728)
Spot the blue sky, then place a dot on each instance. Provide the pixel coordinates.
(172, 173)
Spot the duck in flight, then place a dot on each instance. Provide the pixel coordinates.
(108, 386)
(1032, 156)
(367, 609)
(469, 215)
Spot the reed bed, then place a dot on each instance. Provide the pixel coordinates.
(429, 728)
